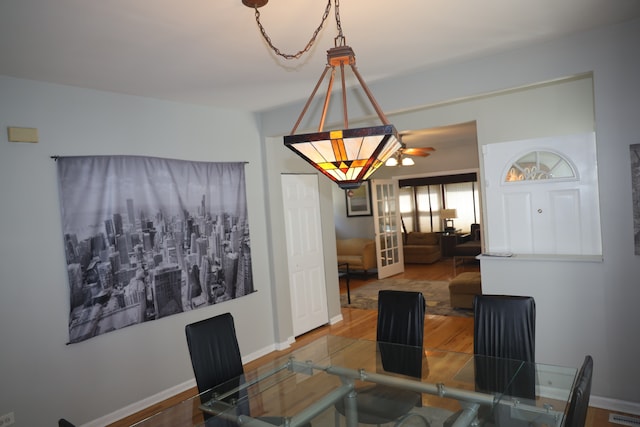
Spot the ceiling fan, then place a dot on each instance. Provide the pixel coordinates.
(402, 157)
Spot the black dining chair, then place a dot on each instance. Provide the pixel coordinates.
(580, 394)
(216, 360)
(504, 333)
(400, 321)
(64, 423)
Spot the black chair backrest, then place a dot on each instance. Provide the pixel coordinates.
(214, 350)
(401, 317)
(505, 326)
(64, 423)
(475, 231)
(579, 403)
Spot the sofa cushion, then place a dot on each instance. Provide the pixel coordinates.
(354, 246)
(417, 238)
(352, 260)
(463, 289)
(470, 248)
(423, 249)
(469, 282)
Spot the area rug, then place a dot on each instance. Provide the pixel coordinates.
(436, 294)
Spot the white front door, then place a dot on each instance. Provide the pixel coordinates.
(304, 252)
(388, 231)
(542, 196)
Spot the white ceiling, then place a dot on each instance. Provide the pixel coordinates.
(211, 52)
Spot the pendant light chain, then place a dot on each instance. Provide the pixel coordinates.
(340, 40)
(309, 43)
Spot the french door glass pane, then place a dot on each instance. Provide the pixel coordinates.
(388, 242)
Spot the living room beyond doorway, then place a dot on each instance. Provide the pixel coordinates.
(440, 270)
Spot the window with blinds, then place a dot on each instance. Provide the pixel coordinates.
(422, 199)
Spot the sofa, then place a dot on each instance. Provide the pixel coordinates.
(421, 248)
(358, 253)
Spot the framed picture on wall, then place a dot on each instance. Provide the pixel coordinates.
(358, 200)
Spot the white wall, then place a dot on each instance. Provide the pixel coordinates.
(42, 378)
(582, 307)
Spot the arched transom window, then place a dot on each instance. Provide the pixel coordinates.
(538, 165)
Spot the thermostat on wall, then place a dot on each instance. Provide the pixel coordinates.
(23, 134)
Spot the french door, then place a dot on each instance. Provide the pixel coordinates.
(388, 231)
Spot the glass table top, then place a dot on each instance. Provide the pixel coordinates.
(303, 386)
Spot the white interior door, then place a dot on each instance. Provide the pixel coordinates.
(388, 231)
(305, 257)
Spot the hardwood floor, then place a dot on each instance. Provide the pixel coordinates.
(441, 332)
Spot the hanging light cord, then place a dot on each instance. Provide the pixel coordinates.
(339, 39)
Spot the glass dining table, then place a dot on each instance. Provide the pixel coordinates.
(305, 386)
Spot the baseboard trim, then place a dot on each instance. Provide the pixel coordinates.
(285, 345)
(336, 319)
(259, 353)
(141, 404)
(615, 405)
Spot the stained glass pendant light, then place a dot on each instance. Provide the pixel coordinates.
(347, 156)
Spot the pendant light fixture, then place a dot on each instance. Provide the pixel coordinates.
(347, 156)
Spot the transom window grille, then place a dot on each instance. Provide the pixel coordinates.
(539, 165)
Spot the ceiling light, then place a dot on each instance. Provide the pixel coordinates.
(347, 156)
(399, 160)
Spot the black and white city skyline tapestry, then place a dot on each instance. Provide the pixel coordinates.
(148, 237)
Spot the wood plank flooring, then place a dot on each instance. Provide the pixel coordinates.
(442, 332)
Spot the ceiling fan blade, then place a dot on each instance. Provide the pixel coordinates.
(416, 155)
(423, 151)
